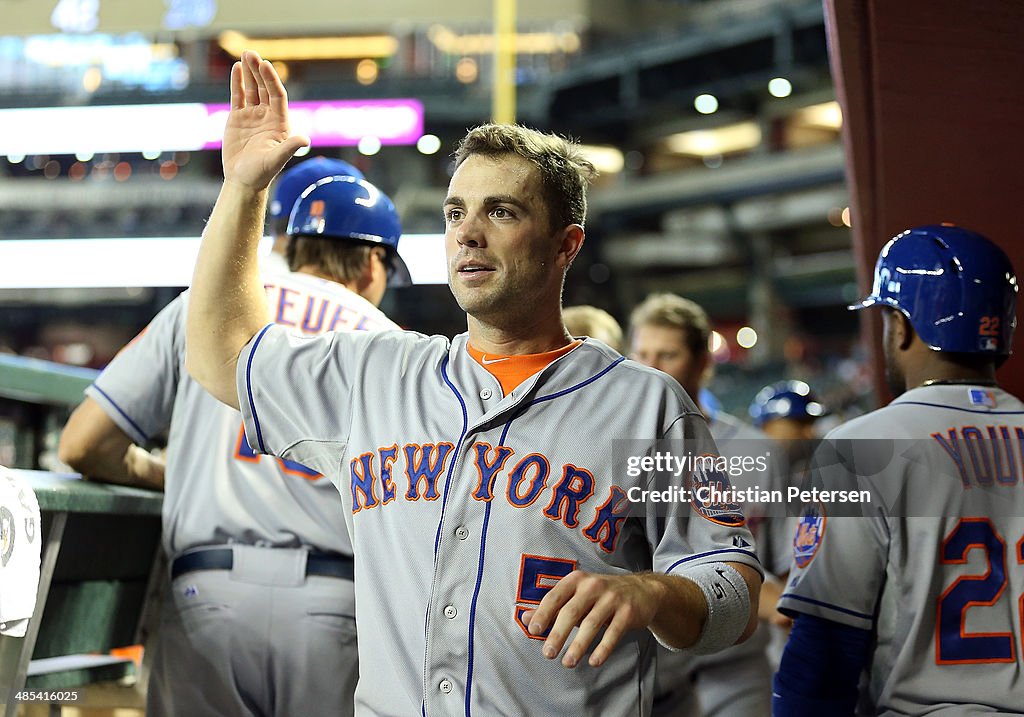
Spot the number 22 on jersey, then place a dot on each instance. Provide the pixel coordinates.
(953, 645)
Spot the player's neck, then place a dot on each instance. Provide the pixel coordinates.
(944, 373)
(280, 246)
(310, 270)
(530, 338)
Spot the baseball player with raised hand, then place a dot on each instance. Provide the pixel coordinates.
(492, 532)
(924, 593)
(671, 333)
(260, 617)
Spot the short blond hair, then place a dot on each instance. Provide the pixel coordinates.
(591, 321)
(564, 171)
(675, 312)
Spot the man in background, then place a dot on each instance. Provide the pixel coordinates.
(671, 334)
(789, 412)
(786, 410)
(585, 320)
(260, 615)
(922, 592)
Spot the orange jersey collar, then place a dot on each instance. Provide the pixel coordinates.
(513, 370)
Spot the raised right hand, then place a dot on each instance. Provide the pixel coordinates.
(257, 137)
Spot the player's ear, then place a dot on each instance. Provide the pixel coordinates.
(570, 242)
(375, 263)
(901, 331)
(908, 331)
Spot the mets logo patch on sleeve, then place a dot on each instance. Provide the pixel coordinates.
(809, 533)
(712, 495)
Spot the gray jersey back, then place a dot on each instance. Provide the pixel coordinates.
(466, 505)
(943, 594)
(217, 489)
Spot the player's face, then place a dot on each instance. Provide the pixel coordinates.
(503, 259)
(797, 438)
(789, 429)
(664, 348)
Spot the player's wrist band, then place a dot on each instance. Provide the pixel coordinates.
(728, 599)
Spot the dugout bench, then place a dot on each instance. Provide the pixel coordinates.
(101, 560)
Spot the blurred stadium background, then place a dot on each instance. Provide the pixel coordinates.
(714, 124)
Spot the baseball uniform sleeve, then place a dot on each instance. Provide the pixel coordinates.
(137, 389)
(820, 669)
(837, 571)
(296, 393)
(839, 563)
(697, 531)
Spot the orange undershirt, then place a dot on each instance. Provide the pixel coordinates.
(513, 370)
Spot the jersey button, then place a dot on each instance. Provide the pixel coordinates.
(450, 611)
(486, 393)
(445, 686)
(462, 532)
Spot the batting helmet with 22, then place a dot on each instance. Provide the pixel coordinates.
(956, 287)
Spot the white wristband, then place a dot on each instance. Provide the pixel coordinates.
(728, 599)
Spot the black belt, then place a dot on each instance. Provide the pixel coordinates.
(332, 565)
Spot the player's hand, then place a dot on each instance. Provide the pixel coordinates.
(257, 137)
(592, 602)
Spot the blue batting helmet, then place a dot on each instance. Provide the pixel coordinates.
(955, 286)
(785, 399)
(352, 209)
(292, 182)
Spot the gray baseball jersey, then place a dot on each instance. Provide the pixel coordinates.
(743, 687)
(944, 595)
(217, 489)
(263, 637)
(465, 506)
